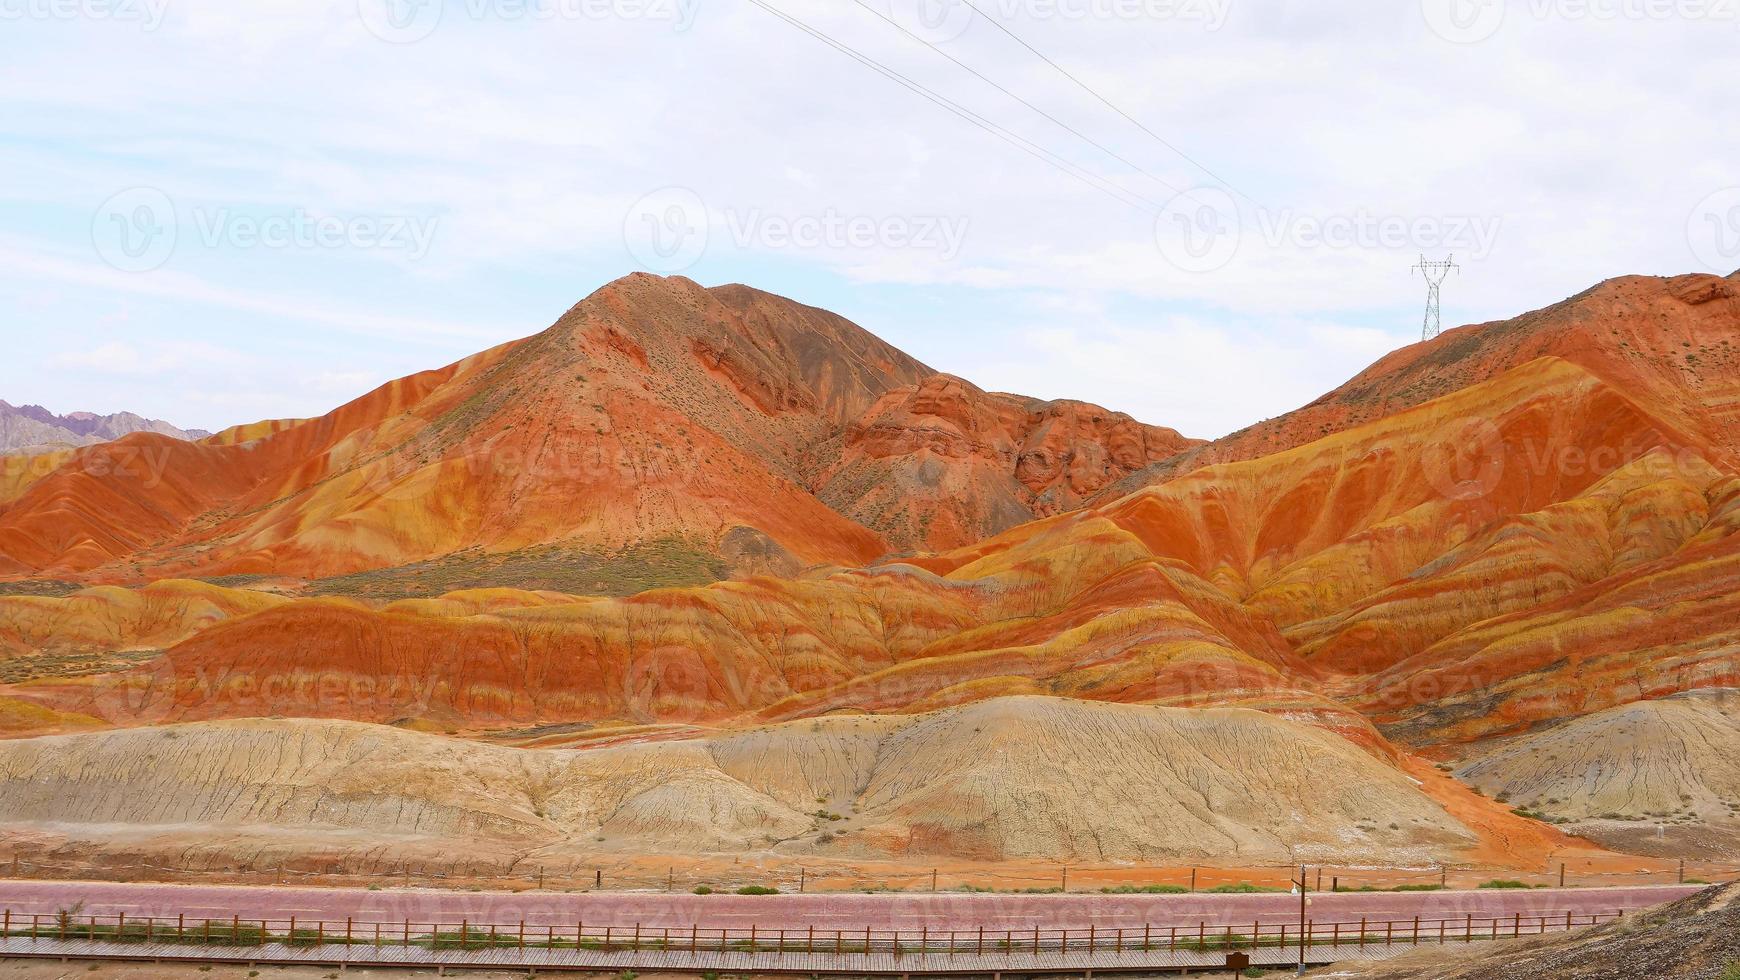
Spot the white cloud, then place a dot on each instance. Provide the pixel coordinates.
(1588, 142)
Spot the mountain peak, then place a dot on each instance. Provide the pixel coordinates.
(33, 428)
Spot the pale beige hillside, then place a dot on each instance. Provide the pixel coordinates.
(1008, 778)
(1678, 757)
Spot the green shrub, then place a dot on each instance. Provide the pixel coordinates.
(757, 890)
(1503, 883)
(703, 890)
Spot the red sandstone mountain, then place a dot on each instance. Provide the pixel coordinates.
(659, 432)
(1480, 537)
(1541, 541)
(1669, 343)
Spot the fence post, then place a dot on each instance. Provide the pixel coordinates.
(802, 874)
(1561, 874)
(1193, 879)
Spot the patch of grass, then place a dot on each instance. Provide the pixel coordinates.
(44, 587)
(1145, 890)
(1242, 888)
(703, 890)
(1213, 942)
(664, 563)
(219, 934)
(757, 890)
(1503, 883)
(31, 666)
(468, 939)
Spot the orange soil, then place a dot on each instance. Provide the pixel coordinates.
(1507, 525)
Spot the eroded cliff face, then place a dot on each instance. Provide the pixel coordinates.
(942, 463)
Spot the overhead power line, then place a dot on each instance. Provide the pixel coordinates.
(1105, 101)
(1122, 195)
(993, 83)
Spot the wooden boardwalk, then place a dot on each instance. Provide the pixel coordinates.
(537, 959)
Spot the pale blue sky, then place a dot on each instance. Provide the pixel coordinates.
(474, 175)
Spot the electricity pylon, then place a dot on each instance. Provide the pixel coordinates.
(1433, 273)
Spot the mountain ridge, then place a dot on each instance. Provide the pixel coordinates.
(32, 429)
